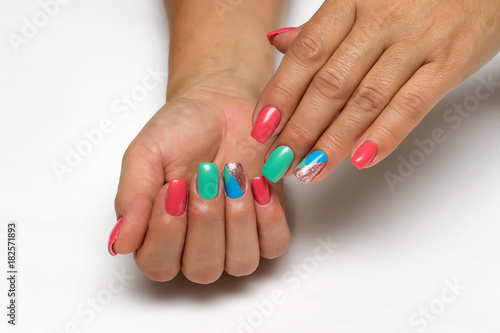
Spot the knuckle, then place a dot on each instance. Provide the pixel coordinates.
(411, 105)
(308, 49)
(334, 142)
(135, 150)
(390, 135)
(277, 247)
(368, 99)
(274, 238)
(455, 57)
(158, 274)
(385, 17)
(282, 88)
(298, 133)
(161, 275)
(126, 247)
(241, 267)
(329, 82)
(203, 275)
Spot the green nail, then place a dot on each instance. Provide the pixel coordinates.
(208, 180)
(278, 163)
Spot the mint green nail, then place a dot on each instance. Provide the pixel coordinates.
(278, 163)
(208, 180)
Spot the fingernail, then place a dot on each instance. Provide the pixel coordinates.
(208, 180)
(234, 179)
(364, 155)
(311, 166)
(278, 163)
(260, 189)
(176, 197)
(267, 122)
(272, 34)
(113, 236)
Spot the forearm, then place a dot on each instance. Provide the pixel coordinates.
(210, 37)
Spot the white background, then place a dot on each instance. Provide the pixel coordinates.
(398, 250)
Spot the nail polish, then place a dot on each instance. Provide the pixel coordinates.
(113, 236)
(278, 163)
(176, 197)
(311, 166)
(208, 181)
(364, 155)
(260, 189)
(272, 34)
(267, 122)
(234, 180)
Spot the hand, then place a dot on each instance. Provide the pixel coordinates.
(208, 122)
(361, 74)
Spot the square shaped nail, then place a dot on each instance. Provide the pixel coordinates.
(278, 163)
(208, 181)
(234, 180)
(266, 124)
(311, 166)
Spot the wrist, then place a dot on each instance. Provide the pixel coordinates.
(252, 73)
(204, 44)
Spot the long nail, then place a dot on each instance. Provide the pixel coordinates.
(113, 236)
(272, 34)
(208, 181)
(260, 189)
(364, 155)
(311, 166)
(176, 197)
(267, 122)
(234, 180)
(278, 163)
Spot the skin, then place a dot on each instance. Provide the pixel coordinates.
(379, 65)
(213, 86)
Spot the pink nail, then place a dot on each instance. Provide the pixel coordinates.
(176, 197)
(260, 189)
(364, 155)
(267, 122)
(113, 236)
(272, 34)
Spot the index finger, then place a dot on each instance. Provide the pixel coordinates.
(312, 48)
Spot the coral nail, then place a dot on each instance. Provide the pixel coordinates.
(272, 34)
(364, 155)
(176, 197)
(261, 191)
(234, 180)
(311, 166)
(278, 163)
(113, 236)
(267, 122)
(208, 181)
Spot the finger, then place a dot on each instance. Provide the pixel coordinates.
(308, 53)
(242, 242)
(141, 178)
(274, 234)
(159, 257)
(411, 104)
(284, 40)
(204, 250)
(330, 90)
(394, 68)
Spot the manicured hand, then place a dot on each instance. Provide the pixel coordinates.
(361, 74)
(190, 197)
